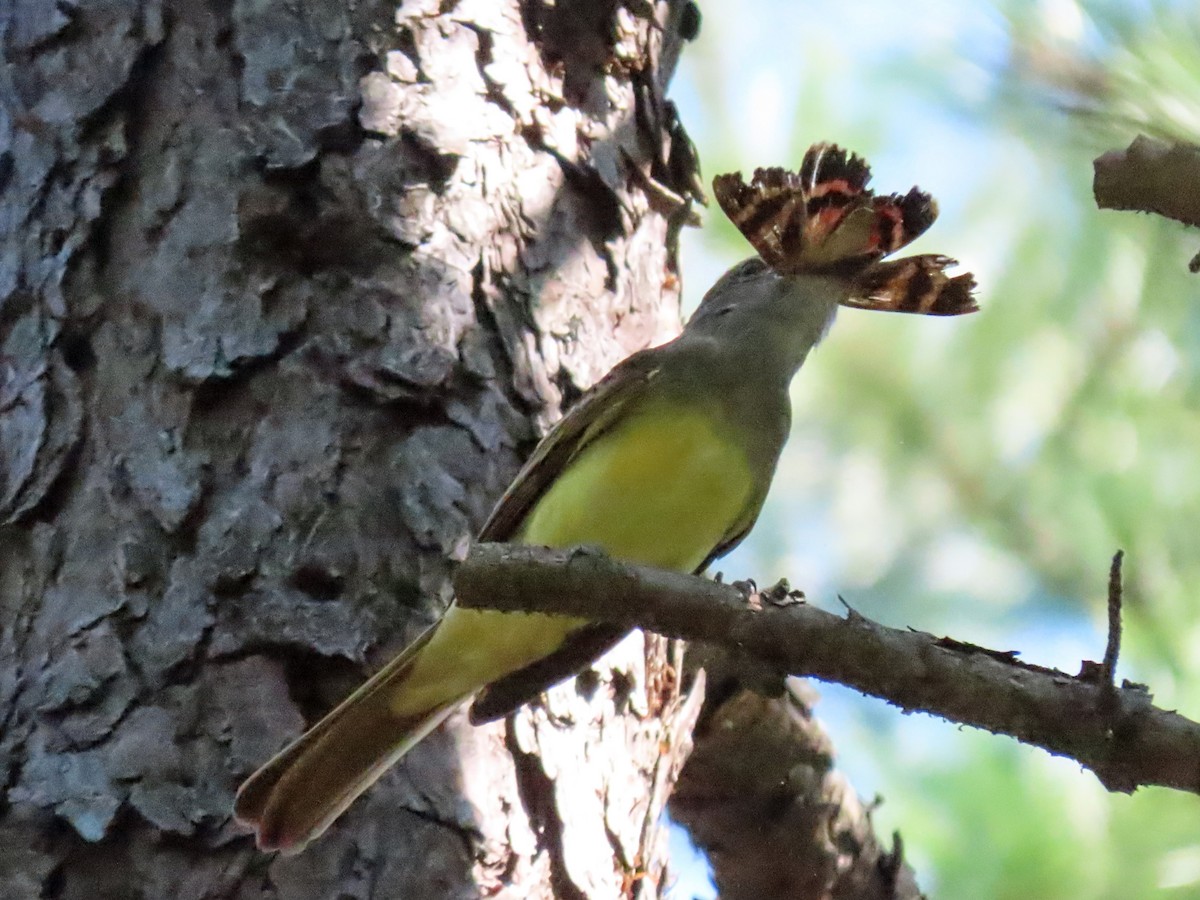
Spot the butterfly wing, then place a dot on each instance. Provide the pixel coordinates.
(824, 218)
(914, 284)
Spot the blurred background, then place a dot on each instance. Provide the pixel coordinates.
(973, 477)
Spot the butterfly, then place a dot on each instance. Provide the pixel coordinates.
(825, 219)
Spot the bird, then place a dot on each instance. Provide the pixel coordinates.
(665, 462)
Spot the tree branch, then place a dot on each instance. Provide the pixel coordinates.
(1151, 175)
(1122, 738)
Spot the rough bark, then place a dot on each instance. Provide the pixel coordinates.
(286, 291)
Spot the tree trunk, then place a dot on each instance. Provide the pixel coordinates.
(761, 797)
(287, 291)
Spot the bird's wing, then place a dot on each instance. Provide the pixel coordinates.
(594, 414)
(739, 529)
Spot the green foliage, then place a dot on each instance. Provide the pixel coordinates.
(973, 477)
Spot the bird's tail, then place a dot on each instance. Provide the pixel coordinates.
(293, 798)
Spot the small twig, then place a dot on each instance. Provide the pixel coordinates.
(1108, 668)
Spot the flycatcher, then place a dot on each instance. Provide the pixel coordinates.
(665, 462)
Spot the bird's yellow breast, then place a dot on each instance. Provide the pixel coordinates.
(662, 488)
